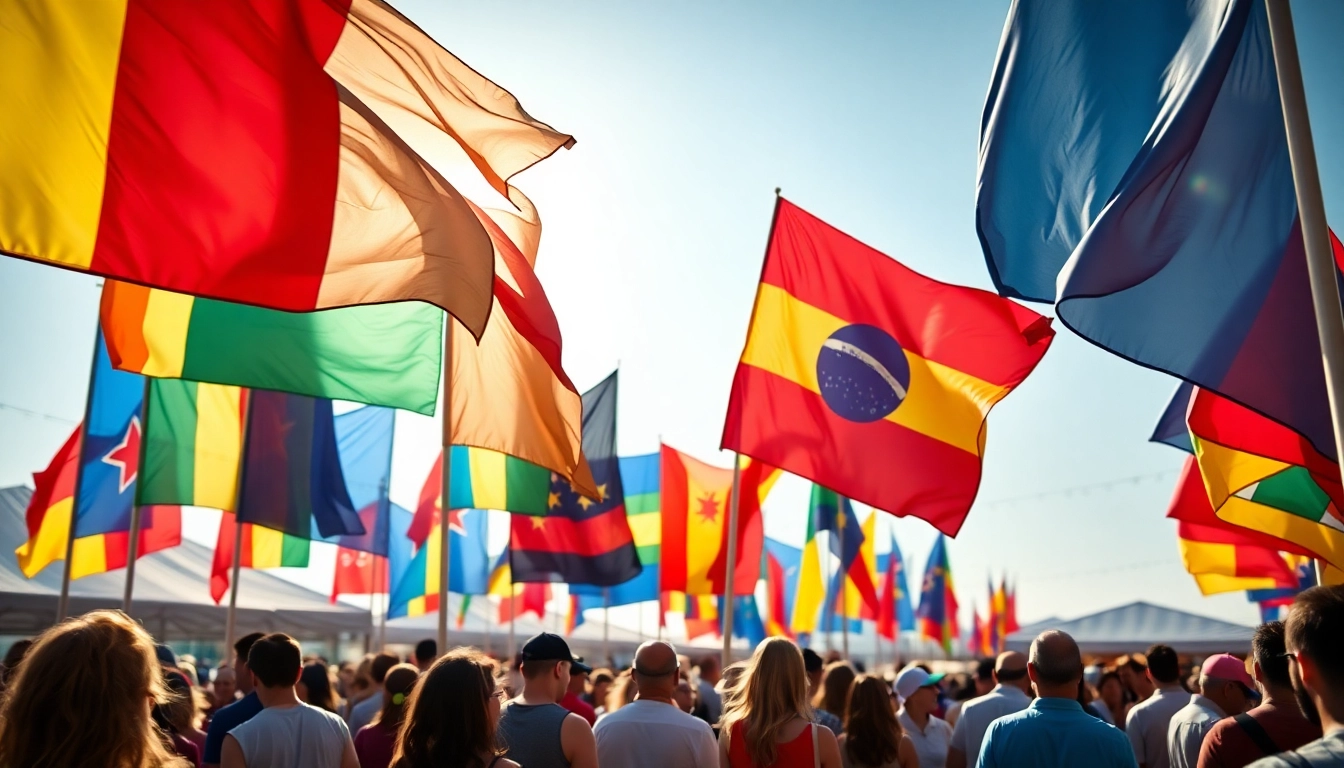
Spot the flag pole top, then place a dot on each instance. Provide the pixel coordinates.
(777, 191)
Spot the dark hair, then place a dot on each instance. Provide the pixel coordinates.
(1163, 664)
(384, 661)
(872, 732)
(1314, 628)
(275, 659)
(318, 682)
(1101, 681)
(426, 650)
(447, 722)
(1267, 648)
(397, 687)
(984, 669)
(835, 685)
(243, 647)
(13, 656)
(1136, 663)
(811, 661)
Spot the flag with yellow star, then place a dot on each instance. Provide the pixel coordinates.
(581, 540)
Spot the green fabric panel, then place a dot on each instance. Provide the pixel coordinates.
(1294, 491)
(642, 504)
(528, 486)
(294, 551)
(384, 354)
(650, 554)
(168, 467)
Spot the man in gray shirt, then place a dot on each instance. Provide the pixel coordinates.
(534, 729)
(651, 731)
(1315, 642)
(1148, 722)
(1011, 694)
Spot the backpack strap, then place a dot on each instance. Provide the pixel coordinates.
(1257, 733)
(816, 746)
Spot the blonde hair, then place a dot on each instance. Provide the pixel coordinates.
(772, 692)
(622, 691)
(82, 695)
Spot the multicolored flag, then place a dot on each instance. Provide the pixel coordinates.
(639, 477)
(276, 154)
(851, 595)
(1010, 610)
(695, 499)
(894, 610)
(417, 591)
(850, 354)
(1157, 211)
(362, 572)
(527, 598)
(262, 547)
(782, 566)
(481, 479)
(700, 613)
(193, 444)
(747, 621)
(577, 539)
(938, 600)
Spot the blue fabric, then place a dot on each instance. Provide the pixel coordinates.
(1171, 429)
(905, 612)
(639, 475)
(747, 621)
(937, 585)
(364, 443)
(1134, 169)
(1054, 732)
(226, 720)
(790, 561)
(468, 568)
(401, 550)
(110, 457)
(833, 607)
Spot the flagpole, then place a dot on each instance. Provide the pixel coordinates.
(606, 623)
(828, 615)
(445, 544)
(230, 621)
(133, 545)
(386, 602)
(63, 603)
(730, 564)
(1311, 211)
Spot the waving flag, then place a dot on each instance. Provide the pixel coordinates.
(851, 595)
(262, 547)
(782, 565)
(938, 600)
(364, 444)
(193, 444)
(481, 479)
(417, 592)
(894, 610)
(639, 477)
(747, 621)
(856, 367)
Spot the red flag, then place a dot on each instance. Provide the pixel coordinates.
(888, 625)
(532, 598)
(358, 573)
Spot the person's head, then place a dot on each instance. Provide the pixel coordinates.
(773, 692)
(710, 669)
(426, 651)
(178, 713)
(984, 676)
(1133, 671)
(814, 666)
(382, 662)
(363, 678)
(578, 676)
(835, 683)
(917, 690)
(275, 661)
(872, 731)
(83, 695)
(451, 714)
(1055, 665)
(165, 656)
(655, 671)
(622, 691)
(1164, 668)
(1111, 690)
(547, 662)
(1010, 669)
(732, 676)
(1315, 651)
(241, 649)
(397, 686)
(225, 686)
(1269, 666)
(683, 695)
(314, 687)
(1223, 680)
(599, 683)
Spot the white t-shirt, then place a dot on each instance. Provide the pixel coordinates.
(653, 734)
(979, 713)
(293, 737)
(931, 744)
(1146, 725)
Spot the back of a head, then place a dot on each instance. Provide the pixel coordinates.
(447, 717)
(1056, 658)
(655, 668)
(1267, 649)
(1315, 628)
(242, 647)
(873, 733)
(398, 684)
(984, 670)
(382, 662)
(773, 692)
(426, 651)
(1163, 664)
(79, 697)
(275, 660)
(835, 683)
(812, 662)
(317, 680)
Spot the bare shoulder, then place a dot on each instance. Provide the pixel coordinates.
(505, 762)
(829, 747)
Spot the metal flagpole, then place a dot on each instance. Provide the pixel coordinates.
(63, 604)
(230, 621)
(826, 582)
(730, 563)
(133, 543)
(844, 619)
(445, 541)
(1311, 211)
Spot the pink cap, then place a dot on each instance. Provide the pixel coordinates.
(1227, 667)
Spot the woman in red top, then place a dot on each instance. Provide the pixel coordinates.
(767, 722)
(376, 741)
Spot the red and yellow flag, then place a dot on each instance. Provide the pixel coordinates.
(871, 379)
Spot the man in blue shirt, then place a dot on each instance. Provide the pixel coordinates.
(238, 712)
(1054, 730)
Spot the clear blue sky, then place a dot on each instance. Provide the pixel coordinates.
(687, 116)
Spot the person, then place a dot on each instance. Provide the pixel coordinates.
(375, 742)
(314, 687)
(710, 672)
(79, 698)
(1011, 693)
(833, 695)
(453, 715)
(599, 684)
(223, 692)
(360, 686)
(286, 733)
(917, 694)
(767, 722)
(183, 714)
(534, 729)
(815, 669)
(1133, 671)
(1316, 668)
(174, 717)
(983, 682)
(363, 713)
(426, 651)
(1277, 725)
(573, 698)
(873, 737)
(652, 730)
(1146, 724)
(684, 697)
(1110, 703)
(1225, 689)
(240, 711)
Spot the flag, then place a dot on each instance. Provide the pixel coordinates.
(811, 589)
(978, 643)
(938, 600)
(526, 598)
(481, 479)
(417, 592)
(894, 610)
(500, 583)
(278, 154)
(1304, 573)
(193, 444)
(855, 365)
(110, 456)
(700, 613)
(695, 499)
(358, 573)
(262, 547)
(387, 354)
(639, 478)
(364, 443)
(1150, 194)
(580, 539)
(747, 621)
(782, 564)
(574, 614)
(1170, 429)
(850, 594)
(1010, 610)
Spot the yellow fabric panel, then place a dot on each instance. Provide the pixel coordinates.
(1217, 583)
(57, 79)
(501, 581)
(267, 547)
(647, 529)
(49, 544)
(706, 491)
(219, 438)
(90, 556)
(167, 319)
(433, 556)
(489, 479)
(1326, 542)
(1226, 471)
(943, 403)
(807, 599)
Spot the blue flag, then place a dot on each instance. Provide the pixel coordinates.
(364, 442)
(905, 612)
(1171, 429)
(468, 567)
(111, 453)
(1134, 169)
(747, 621)
(401, 550)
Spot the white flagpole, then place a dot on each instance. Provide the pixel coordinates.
(730, 564)
(445, 537)
(230, 621)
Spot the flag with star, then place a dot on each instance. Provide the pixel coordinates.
(895, 612)
(580, 540)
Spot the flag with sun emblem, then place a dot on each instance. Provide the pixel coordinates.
(870, 379)
(581, 540)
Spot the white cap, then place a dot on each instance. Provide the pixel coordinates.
(911, 679)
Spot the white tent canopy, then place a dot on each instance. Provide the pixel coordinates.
(172, 592)
(1133, 628)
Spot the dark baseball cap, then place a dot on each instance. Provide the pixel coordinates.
(550, 647)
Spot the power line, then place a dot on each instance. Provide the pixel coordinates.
(37, 414)
(1081, 490)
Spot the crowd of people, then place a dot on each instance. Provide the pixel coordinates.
(97, 691)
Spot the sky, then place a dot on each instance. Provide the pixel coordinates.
(687, 117)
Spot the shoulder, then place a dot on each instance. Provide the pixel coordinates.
(331, 718)
(574, 722)
(940, 724)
